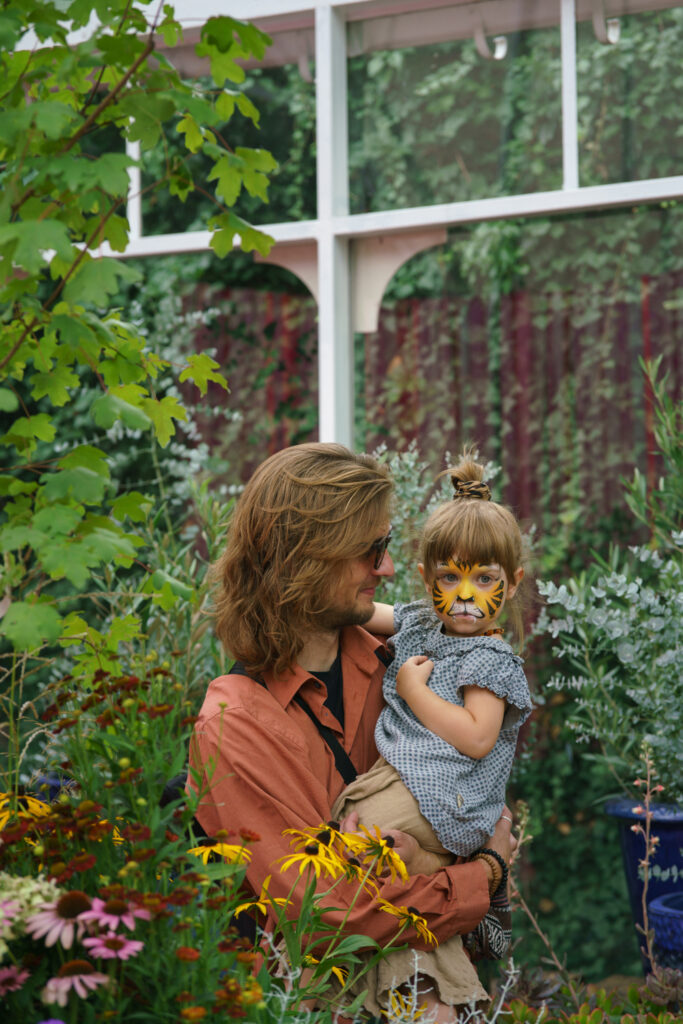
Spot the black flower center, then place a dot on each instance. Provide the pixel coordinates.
(71, 904)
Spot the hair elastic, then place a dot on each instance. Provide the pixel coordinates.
(471, 489)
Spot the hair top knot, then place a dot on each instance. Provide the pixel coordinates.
(471, 489)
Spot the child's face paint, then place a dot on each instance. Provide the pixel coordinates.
(469, 598)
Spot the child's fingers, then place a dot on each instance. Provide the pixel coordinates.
(418, 659)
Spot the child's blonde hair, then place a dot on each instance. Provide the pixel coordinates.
(475, 529)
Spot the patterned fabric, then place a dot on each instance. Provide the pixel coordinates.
(461, 797)
(491, 939)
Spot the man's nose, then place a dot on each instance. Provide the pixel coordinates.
(386, 566)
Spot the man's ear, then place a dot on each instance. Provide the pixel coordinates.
(515, 582)
(421, 570)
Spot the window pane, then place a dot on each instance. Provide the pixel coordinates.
(525, 338)
(440, 123)
(286, 103)
(265, 337)
(259, 323)
(629, 99)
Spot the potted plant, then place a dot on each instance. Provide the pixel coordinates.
(618, 632)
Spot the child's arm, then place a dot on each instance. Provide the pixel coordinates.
(473, 730)
(382, 621)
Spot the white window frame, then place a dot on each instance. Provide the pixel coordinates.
(333, 242)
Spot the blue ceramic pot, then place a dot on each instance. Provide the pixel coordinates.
(665, 914)
(666, 866)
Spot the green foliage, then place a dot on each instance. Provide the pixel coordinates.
(62, 197)
(618, 625)
(439, 124)
(570, 873)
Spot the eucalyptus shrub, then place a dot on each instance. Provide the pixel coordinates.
(618, 627)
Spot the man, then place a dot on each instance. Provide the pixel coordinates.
(306, 550)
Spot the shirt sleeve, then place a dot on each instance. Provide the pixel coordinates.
(502, 674)
(279, 790)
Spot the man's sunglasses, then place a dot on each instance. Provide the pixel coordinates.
(378, 549)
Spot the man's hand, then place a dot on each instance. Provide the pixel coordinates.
(502, 840)
(416, 860)
(413, 675)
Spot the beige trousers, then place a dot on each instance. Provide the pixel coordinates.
(382, 799)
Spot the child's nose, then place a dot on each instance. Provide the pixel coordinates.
(465, 591)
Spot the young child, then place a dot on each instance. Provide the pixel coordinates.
(456, 696)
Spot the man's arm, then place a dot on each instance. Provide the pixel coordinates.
(285, 787)
(472, 729)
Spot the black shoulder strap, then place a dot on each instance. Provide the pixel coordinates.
(342, 761)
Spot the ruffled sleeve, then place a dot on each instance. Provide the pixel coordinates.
(413, 614)
(493, 668)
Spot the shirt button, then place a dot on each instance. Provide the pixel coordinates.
(318, 685)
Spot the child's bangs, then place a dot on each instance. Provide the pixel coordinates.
(475, 536)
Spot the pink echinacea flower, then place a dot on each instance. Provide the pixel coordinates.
(59, 921)
(12, 979)
(114, 911)
(79, 975)
(112, 946)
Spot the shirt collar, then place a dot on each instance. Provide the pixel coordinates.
(361, 647)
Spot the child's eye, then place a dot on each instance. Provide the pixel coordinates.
(449, 578)
(486, 579)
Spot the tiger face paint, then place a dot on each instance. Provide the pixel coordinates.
(467, 597)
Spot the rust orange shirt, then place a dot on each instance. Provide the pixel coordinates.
(264, 766)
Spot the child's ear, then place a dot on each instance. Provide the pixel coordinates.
(421, 570)
(515, 582)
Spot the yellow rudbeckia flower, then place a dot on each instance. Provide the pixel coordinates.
(228, 851)
(410, 916)
(263, 901)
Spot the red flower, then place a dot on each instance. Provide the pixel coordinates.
(193, 1013)
(187, 953)
(182, 896)
(66, 723)
(248, 836)
(142, 853)
(159, 710)
(214, 902)
(136, 832)
(87, 808)
(99, 829)
(154, 903)
(14, 831)
(59, 871)
(82, 862)
(94, 698)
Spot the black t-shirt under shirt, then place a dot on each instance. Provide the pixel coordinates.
(332, 679)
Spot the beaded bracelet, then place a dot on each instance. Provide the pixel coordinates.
(503, 866)
(497, 877)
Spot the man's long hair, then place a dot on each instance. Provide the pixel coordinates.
(304, 512)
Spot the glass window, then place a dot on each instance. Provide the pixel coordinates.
(286, 103)
(629, 99)
(259, 322)
(440, 123)
(264, 335)
(524, 337)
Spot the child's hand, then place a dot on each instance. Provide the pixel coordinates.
(413, 676)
